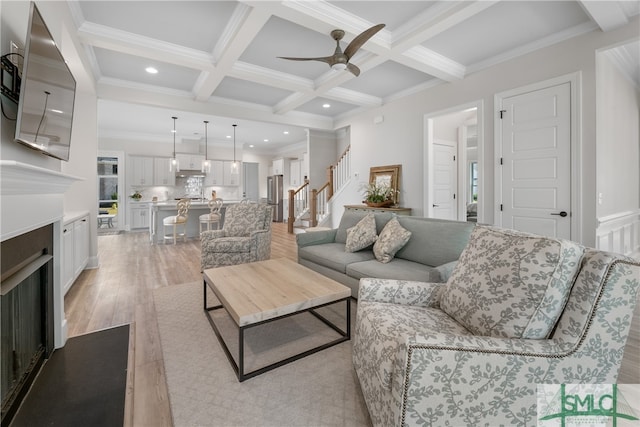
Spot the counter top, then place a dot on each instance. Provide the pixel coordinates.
(173, 203)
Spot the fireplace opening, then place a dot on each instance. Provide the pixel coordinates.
(26, 311)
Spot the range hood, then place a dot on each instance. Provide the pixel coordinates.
(188, 173)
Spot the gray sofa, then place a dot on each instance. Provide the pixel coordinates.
(430, 254)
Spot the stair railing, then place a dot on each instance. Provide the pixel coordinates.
(317, 201)
(298, 204)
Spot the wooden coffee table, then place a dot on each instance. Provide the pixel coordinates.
(265, 291)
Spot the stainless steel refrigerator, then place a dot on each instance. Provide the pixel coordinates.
(275, 196)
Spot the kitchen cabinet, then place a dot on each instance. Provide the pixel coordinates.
(75, 249)
(295, 173)
(229, 178)
(190, 161)
(161, 173)
(139, 214)
(216, 176)
(141, 171)
(279, 166)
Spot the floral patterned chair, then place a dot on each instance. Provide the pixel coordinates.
(519, 310)
(245, 237)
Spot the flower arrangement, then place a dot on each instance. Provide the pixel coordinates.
(378, 194)
(136, 195)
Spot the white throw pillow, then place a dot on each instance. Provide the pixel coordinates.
(392, 238)
(361, 235)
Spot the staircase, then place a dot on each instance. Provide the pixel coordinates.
(310, 207)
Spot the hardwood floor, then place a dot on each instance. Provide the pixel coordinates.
(120, 292)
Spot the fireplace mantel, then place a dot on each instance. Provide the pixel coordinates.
(33, 197)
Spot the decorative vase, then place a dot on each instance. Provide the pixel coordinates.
(384, 204)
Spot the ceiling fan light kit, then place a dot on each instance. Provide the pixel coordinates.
(340, 60)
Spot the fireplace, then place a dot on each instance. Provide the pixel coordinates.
(31, 215)
(26, 308)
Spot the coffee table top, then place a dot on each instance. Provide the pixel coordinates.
(263, 290)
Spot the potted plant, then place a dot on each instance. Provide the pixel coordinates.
(378, 195)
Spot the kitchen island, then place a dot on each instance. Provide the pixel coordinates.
(158, 211)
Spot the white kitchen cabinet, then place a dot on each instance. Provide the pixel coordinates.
(161, 173)
(190, 161)
(75, 249)
(141, 171)
(295, 177)
(216, 176)
(278, 166)
(228, 178)
(139, 215)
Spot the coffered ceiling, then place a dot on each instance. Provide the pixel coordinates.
(217, 60)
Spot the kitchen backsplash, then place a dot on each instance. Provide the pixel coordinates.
(181, 190)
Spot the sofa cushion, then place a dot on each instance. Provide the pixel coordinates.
(332, 255)
(361, 235)
(434, 241)
(511, 284)
(400, 269)
(385, 327)
(391, 239)
(351, 218)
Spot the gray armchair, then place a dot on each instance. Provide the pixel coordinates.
(245, 237)
(473, 351)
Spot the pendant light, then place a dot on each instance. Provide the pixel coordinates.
(206, 164)
(174, 164)
(235, 167)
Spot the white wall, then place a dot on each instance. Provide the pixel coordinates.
(398, 139)
(617, 159)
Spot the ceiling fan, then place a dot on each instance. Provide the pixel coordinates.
(340, 60)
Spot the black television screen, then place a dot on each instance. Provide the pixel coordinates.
(47, 93)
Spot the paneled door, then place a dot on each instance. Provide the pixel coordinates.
(445, 184)
(536, 161)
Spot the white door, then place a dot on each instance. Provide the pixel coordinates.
(444, 182)
(536, 161)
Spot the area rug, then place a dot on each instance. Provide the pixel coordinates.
(82, 384)
(318, 390)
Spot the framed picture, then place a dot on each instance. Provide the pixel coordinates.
(388, 175)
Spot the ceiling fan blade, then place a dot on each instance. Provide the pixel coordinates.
(353, 68)
(361, 39)
(327, 59)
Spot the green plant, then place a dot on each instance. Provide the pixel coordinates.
(378, 193)
(136, 195)
(114, 196)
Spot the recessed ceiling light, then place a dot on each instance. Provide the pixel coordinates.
(151, 70)
(326, 105)
(228, 136)
(286, 132)
(250, 145)
(265, 140)
(56, 111)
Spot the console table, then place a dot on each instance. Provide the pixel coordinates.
(397, 211)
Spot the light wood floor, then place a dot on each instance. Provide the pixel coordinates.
(120, 292)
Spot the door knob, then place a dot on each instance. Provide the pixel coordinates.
(562, 214)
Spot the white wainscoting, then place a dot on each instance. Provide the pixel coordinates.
(619, 233)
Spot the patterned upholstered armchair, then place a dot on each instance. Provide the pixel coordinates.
(519, 310)
(244, 237)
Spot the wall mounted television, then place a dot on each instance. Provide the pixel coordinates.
(47, 93)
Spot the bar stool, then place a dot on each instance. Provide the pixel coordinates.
(179, 219)
(213, 217)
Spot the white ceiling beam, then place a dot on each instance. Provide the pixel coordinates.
(609, 15)
(240, 32)
(145, 47)
(269, 77)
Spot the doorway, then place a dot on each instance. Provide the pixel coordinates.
(251, 181)
(453, 153)
(110, 184)
(536, 142)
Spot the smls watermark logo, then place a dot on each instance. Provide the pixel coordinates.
(584, 405)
